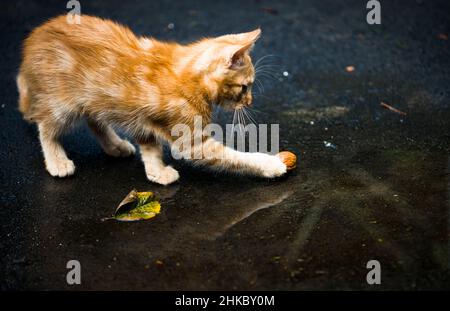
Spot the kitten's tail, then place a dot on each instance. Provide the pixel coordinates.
(24, 100)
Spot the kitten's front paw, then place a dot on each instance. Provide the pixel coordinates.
(272, 167)
(60, 167)
(165, 176)
(123, 148)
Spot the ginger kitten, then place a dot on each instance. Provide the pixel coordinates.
(100, 71)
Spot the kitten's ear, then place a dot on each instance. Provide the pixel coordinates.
(241, 38)
(236, 58)
(248, 37)
(240, 45)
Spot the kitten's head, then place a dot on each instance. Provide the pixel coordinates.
(231, 73)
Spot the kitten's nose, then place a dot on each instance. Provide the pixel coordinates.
(248, 100)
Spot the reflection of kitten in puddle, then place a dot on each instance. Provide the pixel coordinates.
(252, 207)
(230, 212)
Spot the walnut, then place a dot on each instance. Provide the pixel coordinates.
(288, 158)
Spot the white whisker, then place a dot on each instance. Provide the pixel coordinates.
(267, 75)
(249, 116)
(264, 57)
(260, 86)
(241, 126)
(233, 122)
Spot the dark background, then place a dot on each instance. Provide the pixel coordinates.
(381, 193)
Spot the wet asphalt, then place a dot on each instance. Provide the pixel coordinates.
(379, 190)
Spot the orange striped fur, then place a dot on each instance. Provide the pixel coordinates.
(101, 71)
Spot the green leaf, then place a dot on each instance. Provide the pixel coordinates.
(137, 206)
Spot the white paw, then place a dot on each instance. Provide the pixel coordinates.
(122, 148)
(164, 176)
(272, 166)
(60, 167)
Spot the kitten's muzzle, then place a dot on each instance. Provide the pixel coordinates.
(247, 101)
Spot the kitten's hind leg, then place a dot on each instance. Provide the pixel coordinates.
(110, 142)
(156, 170)
(56, 160)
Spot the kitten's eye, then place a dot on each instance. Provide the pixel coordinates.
(244, 88)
